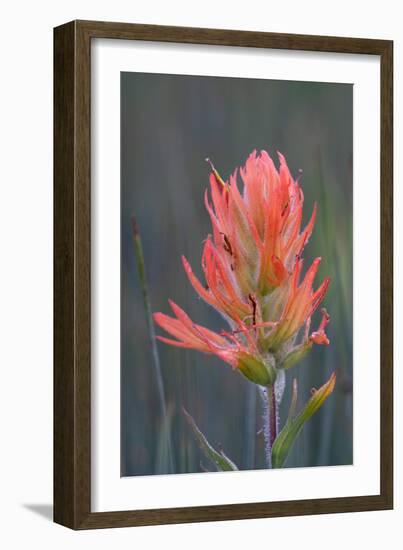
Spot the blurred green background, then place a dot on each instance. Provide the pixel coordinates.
(169, 125)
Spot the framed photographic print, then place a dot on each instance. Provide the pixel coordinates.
(222, 276)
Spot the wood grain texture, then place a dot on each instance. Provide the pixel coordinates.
(387, 273)
(64, 378)
(72, 331)
(72, 274)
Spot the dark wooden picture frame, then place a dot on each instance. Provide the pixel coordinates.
(72, 268)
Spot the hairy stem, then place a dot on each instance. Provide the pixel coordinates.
(269, 421)
(272, 407)
(271, 397)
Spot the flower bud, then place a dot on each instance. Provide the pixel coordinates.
(256, 370)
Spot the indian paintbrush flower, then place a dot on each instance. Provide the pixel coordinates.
(252, 264)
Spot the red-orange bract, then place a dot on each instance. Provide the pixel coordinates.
(252, 266)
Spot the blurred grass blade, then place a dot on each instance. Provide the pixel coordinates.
(162, 444)
(220, 459)
(289, 433)
(138, 248)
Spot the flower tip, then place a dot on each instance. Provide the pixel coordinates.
(280, 156)
(210, 163)
(157, 317)
(324, 310)
(186, 266)
(320, 338)
(215, 175)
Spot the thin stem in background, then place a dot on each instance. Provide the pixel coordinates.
(341, 314)
(138, 248)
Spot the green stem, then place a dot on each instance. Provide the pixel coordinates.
(138, 248)
(272, 406)
(271, 402)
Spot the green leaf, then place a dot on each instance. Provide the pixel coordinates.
(294, 398)
(292, 428)
(295, 355)
(222, 462)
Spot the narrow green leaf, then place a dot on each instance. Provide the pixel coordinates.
(294, 397)
(295, 355)
(292, 428)
(222, 462)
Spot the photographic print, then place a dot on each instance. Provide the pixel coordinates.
(236, 274)
(205, 245)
